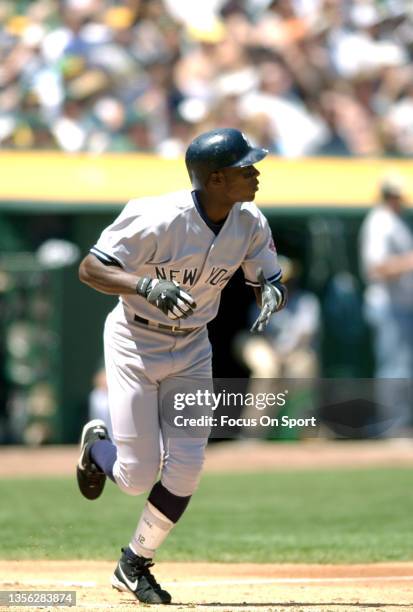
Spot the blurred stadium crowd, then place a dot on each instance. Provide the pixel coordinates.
(301, 77)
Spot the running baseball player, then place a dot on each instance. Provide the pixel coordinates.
(168, 258)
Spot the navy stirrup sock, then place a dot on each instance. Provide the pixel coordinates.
(103, 454)
(130, 554)
(172, 506)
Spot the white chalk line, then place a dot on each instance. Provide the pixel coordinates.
(241, 581)
(50, 583)
(221, 582)
(104, 606)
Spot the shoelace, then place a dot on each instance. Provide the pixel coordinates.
(150, 577)
(138, 569)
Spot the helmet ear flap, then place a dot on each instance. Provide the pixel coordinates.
(199, 177)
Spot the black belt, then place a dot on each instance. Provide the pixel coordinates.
(169, 328)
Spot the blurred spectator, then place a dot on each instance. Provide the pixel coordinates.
(302, 77)
(294, 130)
(386, 243)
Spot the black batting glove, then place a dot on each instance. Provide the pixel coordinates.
(273, 299)
(167, 296)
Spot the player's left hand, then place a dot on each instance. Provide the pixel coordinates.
(273, 299)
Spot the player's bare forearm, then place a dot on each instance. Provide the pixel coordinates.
(395, 266)
(106, 279)
(173, 301)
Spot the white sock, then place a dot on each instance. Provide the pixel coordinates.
(152, 530)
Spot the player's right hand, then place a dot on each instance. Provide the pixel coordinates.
(167, 296)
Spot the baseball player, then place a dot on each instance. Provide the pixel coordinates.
(386, 257)
(168, 258)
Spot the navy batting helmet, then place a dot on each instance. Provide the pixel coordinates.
(217, 149)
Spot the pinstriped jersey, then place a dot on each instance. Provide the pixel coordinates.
(166, 237)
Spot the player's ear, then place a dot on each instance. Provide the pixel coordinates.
(216, 178)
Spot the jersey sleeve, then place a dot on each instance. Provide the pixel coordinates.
(374, 242)
(261, 254)
(129, 241)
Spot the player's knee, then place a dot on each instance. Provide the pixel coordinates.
(136, 478)
(182, 479)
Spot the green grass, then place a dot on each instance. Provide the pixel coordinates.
(308, 516)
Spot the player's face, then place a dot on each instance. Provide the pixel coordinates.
(241, 184)
(396, 202)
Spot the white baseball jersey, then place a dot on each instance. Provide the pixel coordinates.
(169, 238)
(383, 234)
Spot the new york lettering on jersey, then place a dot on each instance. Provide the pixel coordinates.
(187, 277)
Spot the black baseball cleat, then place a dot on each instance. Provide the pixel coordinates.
(133, 575)
(90, 478)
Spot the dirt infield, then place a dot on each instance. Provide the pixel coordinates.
(229, 587)
(245, 456)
